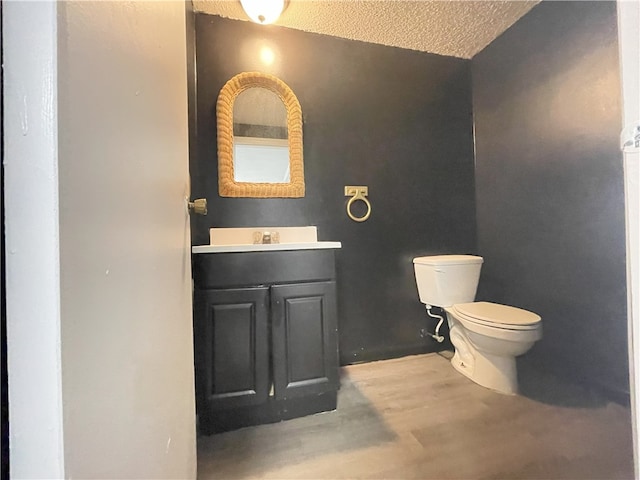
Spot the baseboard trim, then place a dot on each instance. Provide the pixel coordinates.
(372, 355)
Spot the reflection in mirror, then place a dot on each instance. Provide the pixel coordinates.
(260, 145)
(260, 160)
(259, 138)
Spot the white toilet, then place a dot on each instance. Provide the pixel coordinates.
(487, 336)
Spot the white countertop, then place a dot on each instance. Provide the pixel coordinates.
(270, 247)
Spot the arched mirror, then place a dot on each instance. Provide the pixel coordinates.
(259, 138)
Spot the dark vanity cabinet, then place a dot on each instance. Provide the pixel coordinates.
(265, 336)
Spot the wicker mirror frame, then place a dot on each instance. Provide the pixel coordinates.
(227, 186)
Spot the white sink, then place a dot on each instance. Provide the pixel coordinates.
(272, 247)
(241, 240)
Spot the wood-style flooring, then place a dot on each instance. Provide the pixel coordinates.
(417, 418)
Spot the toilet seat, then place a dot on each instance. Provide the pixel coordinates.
(497, 316)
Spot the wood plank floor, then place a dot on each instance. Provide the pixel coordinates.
(417, 418)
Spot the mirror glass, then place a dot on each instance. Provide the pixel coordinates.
(259, 122)
(260, 139)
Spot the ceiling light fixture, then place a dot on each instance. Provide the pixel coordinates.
(263, 11)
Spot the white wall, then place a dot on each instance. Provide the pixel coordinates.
(127, 356)
(32, 263)
(629, 39)
(98, 248)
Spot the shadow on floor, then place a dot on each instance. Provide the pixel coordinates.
(354, 425)
(544, 387)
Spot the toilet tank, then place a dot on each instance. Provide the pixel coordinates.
(444, 280)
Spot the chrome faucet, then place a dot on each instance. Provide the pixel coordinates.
(266, 237)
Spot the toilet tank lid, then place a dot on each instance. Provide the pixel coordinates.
(448, 260)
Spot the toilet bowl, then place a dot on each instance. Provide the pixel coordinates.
(487, 337)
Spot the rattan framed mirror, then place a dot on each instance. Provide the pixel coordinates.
(230, 182)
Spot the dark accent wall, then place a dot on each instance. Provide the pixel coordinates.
(396, 120)
(549, 184)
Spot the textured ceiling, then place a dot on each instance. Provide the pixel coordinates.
(448, 27)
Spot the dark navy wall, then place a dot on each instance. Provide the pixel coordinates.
(396, 120)
(549, 182)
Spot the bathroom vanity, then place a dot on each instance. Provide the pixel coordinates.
(265, 333)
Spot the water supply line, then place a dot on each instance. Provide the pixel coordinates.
(438, 338)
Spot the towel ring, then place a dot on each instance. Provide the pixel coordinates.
(357, 193)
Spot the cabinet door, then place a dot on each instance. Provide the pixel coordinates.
(304, 339)
(231, 347)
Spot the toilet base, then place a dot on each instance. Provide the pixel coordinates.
(490, 371)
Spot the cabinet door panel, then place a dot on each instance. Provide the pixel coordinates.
(232, 361)
(304, 339)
